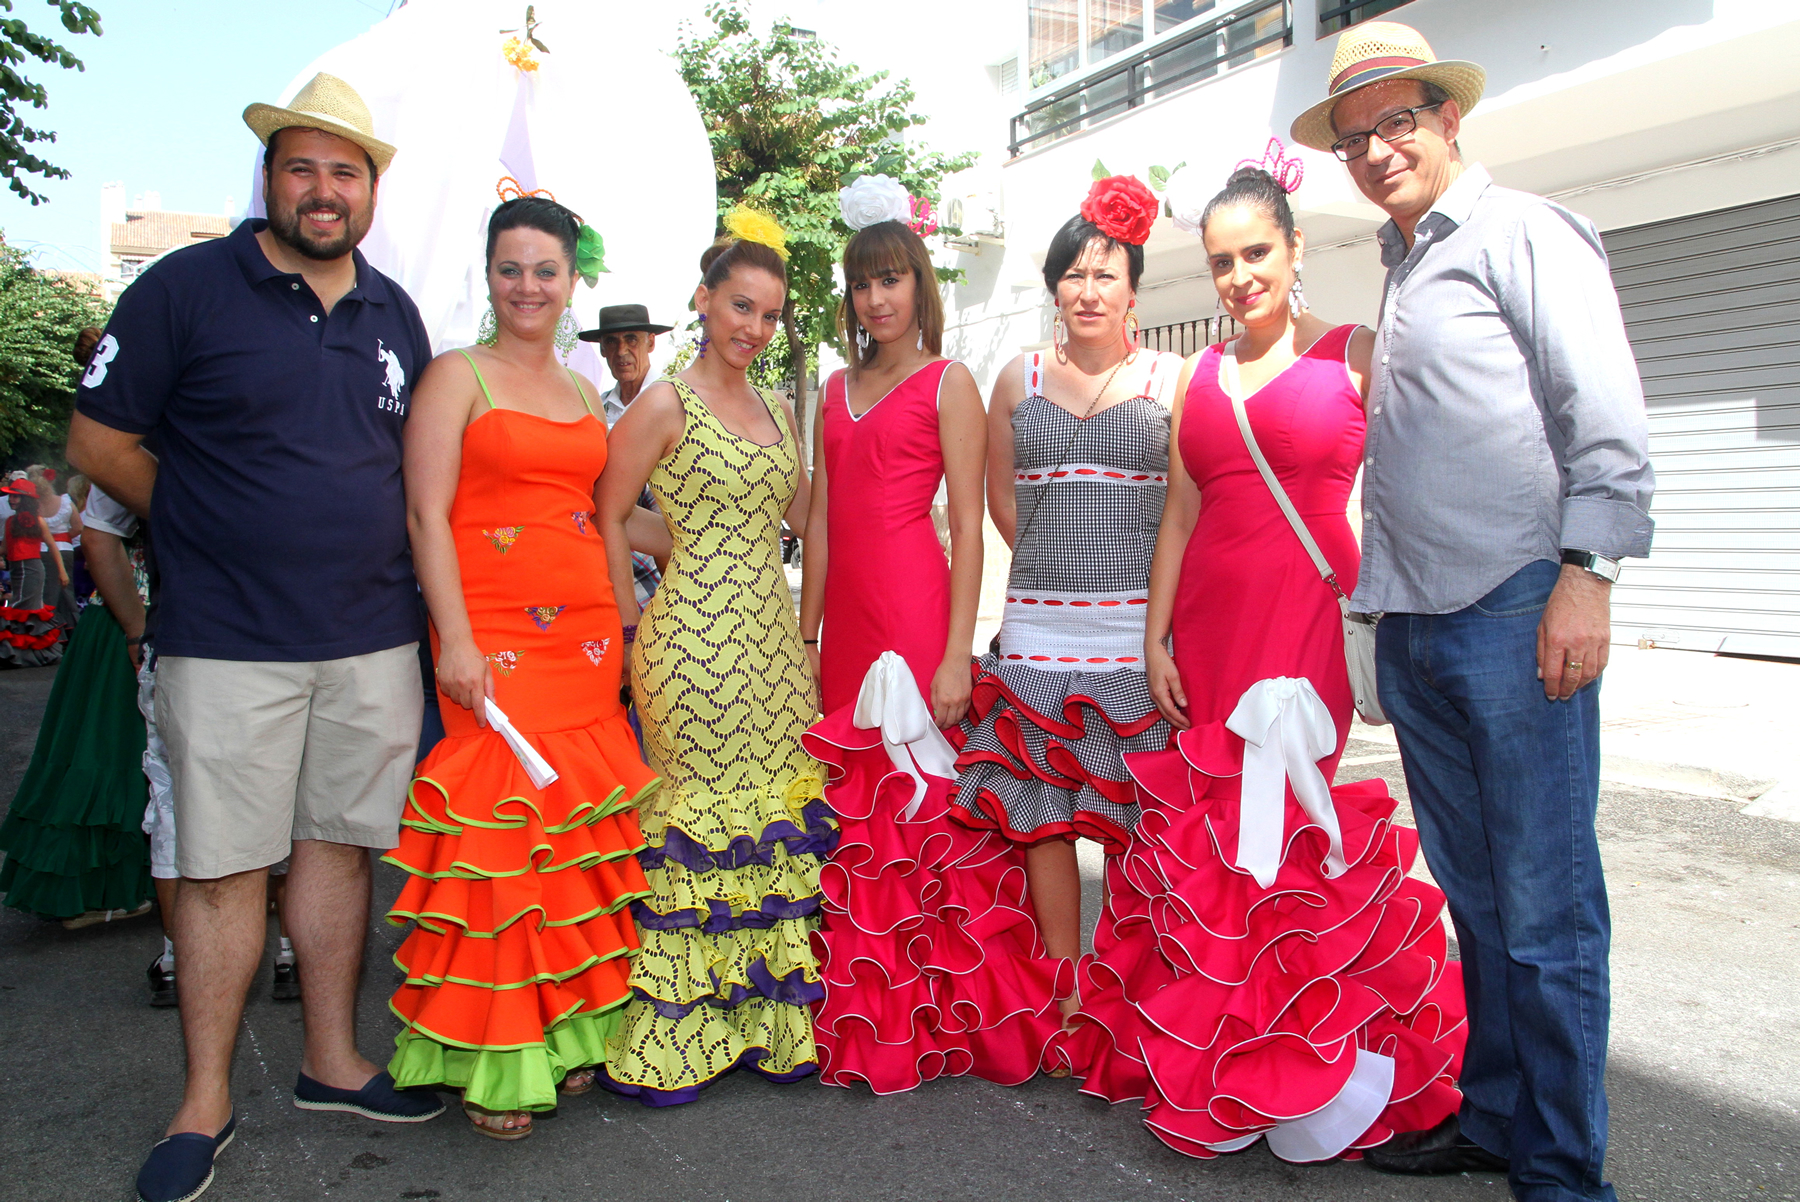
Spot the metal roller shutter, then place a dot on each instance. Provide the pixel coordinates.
(1712, 304)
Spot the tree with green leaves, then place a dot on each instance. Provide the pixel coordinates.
(40, 315)
(17, 45)
(790, 125)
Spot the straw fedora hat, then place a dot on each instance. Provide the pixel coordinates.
(1375, 52)
(327, 104)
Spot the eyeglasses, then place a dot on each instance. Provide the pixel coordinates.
(1395, 127)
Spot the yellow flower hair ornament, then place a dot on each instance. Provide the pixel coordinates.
(753, 225)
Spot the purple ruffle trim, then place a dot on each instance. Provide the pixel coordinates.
(719, 918)
(819, 838)
(793, 990)
(751, 1060)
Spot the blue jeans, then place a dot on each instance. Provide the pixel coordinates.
(1504, 787)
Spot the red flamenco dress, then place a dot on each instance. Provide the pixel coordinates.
(1265, 966)
(931, 959)
(520, 955)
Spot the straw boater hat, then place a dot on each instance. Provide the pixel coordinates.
(329, 105)
(1376, 52)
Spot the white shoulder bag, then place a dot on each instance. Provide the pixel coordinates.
(1359, 629)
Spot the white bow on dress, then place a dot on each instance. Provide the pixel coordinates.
(889, 699)
(1286, 731)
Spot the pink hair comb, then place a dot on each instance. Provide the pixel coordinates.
(1288, 172)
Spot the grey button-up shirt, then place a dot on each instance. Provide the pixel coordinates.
(1506, 420)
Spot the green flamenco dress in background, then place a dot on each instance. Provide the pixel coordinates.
(73, 837)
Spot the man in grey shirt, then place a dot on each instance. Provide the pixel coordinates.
(1505, 474)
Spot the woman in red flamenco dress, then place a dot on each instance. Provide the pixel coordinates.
(932, 963)
(1266, 967)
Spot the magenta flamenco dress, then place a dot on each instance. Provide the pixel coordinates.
(931, 958)
(1255, 976)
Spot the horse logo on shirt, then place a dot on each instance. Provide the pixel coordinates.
(396, 379)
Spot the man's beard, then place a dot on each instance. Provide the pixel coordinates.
(285, 225)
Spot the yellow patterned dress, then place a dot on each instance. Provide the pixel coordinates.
(736, 837)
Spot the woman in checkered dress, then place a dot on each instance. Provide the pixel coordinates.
(1078, 460)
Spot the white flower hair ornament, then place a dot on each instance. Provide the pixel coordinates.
(1187, 194)
(873, 199)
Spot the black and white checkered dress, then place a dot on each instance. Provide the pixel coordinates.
(1066, 697)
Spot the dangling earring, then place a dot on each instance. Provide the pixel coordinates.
(862, 338)
(566, 330)
(1296, 295)
(488, 333)
(921, 337)
(704, 340)
(1059, 337)
(1131, 326)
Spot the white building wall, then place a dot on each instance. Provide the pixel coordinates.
(1628, 110)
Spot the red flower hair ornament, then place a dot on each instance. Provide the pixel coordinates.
(1122, 208)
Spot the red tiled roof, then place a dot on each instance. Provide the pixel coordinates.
(153, 233)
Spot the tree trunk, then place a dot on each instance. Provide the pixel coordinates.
(797, 365)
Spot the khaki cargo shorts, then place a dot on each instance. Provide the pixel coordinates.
(262, 753)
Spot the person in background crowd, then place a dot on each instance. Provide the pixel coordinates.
(928, 949)
(520, 959)
(73, 837)
(735, 837)
(627, 336)
(83, 581)
(1078, 463)
(63, 518)
(1506, 474)
(287, 690)
(26, 533)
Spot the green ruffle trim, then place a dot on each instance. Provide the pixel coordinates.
(585, 814)
(505, 1078)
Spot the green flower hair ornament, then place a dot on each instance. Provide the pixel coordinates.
(590, 254)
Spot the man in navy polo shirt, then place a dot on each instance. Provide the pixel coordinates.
(271, 371)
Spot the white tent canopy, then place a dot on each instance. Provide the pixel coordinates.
(604, 123)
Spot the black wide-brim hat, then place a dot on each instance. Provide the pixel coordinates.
(621, 319)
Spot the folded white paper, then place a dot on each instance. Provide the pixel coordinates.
(535, 765)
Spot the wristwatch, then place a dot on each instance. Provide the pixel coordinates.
(1599, 565)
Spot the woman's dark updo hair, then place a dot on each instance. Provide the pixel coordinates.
(535, 213)
(1257, 188)
(1073, 238)
(728, 254)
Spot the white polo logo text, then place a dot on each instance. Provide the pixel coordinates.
(396, 380)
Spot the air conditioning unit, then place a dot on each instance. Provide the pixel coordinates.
(977, 215)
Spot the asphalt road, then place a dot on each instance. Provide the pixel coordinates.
(1704, 1080)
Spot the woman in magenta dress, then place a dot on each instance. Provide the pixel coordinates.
(932, 964)
(1266, 966)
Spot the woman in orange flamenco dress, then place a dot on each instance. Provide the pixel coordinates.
(520, 955)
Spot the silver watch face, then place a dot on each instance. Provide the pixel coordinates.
(1601, 566)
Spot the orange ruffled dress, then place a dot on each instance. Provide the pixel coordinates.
(520, 955)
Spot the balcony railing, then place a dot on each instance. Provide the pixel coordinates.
(1186, 337)
(1220, 44)
(1336, 17)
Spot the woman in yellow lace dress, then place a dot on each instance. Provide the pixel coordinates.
(736, 837)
